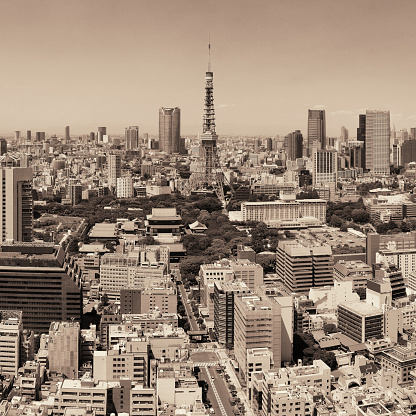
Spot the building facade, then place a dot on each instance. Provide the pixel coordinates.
(301, 267)
(16, 204)
(316, 130)
(132, 138)
(169, 129)
(360, 321)
(41, 281)
(377, 142)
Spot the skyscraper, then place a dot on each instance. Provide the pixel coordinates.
(40, 136)
(3, 146)
(102, 131)
(17, 136)
(325, 166)
(67, 137)
(132, 137)
(377, 141)
(169, 129)
(316, 130)
(114, 169)
(16, 204)
(29, 135)
(344, 134)
(294, 145)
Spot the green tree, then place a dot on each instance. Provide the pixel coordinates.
(330, 328)
(268, 262)
(104, 300)
(335, 221)
(360, 216)
(189, 267)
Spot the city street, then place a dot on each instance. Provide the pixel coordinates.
(188, 309)
(217, 392)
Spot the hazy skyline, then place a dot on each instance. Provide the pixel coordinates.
(90, 63)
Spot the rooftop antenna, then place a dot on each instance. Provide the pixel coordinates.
(209, 54)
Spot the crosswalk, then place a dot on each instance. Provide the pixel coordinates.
(206, 364)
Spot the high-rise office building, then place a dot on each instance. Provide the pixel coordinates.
(16, 204)
(301, 267)
(102, 131)
(344, 134)
(17, 136)
(356, 152)
(224, 293)
(67, 136)
(169, 129)
(42, 282)
(316, 130)
(40, 136)
(132, 137)
(269, 144)
(413, 133)
(408, 152)
(361, 127)
(29, 135)
(325, 167)
(377, 141)
(294, 145)
(114, 169)
(3, 146)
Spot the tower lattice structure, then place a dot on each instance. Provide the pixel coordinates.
(209, 174)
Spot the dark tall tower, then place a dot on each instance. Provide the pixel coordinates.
(316, 130)
(361, 128)
(361, 135)
(209, 174)
(294, 145)
(102, 131)
(67, 137)
(169, 129)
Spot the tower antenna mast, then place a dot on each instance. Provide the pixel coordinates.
(209, 54)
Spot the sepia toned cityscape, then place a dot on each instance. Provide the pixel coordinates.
(175, 243)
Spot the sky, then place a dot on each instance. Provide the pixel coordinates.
(114, 63)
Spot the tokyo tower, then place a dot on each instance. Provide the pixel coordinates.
(208, 174)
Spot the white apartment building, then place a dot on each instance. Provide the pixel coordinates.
(10, 333)
(125, 187)
(142, 401)
(82, 393)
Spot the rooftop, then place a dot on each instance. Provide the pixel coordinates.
(361, 308)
